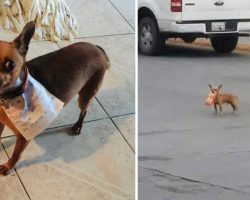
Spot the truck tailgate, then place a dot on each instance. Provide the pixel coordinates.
(193, 10)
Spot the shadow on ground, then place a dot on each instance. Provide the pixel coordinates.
(57, 144)
(171, 50)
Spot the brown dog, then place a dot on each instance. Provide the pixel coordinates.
(78, 68)
(215, 97)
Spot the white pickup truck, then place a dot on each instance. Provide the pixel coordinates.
(222, 21)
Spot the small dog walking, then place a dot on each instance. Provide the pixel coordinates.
(216, 98)
(77, 68)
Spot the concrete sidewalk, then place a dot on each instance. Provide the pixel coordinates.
(99, 163)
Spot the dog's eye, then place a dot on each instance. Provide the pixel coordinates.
(9, 65)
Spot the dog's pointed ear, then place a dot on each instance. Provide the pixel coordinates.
(210, 86)
(23, 40)
(219, 87)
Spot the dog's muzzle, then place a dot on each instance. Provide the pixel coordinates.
(210, 99)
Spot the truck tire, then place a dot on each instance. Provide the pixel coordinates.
(224, 44)
(149, 38)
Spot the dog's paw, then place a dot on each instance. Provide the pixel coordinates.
(220, 113)
(76, 129)
(4, 169)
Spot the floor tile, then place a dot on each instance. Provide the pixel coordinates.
(118, 84)
(7, 35)
(10, 186)
(127, 9)
(98, 164)
(6, 132)
(70, 113)
(126, 124)
(98, 17)
(39, 48)
(117, 94)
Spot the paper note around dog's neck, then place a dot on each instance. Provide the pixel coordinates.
(34, 110)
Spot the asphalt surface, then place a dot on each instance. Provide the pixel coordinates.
(185, 150)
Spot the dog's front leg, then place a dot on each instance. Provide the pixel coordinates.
(21, 144)
(215, 108)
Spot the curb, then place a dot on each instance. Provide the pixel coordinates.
(206, 43)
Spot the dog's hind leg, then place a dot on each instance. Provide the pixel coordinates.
(235, 108)
(76, 129)
(86, 94)
(220, 106)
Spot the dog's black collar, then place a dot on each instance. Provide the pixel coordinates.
(16, 91)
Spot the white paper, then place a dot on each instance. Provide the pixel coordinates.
(34, 110)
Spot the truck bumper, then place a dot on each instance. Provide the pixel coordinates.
(201, 27)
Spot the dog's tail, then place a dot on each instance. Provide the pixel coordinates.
(107, 58)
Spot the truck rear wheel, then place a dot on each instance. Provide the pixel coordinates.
(224, 44)
(149, 38)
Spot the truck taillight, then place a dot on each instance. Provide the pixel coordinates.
(176, 5)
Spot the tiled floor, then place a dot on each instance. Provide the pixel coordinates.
(100, 163)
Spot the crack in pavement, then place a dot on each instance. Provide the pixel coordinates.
(118, 10)
(153, 158)
(196, 181)
(159, 132)
(146, 158)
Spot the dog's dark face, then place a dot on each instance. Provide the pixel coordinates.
(12, 57)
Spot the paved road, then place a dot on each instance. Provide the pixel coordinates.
(185, 151)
